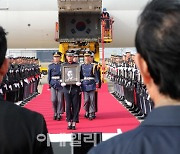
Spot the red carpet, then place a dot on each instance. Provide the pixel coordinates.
(111, 114)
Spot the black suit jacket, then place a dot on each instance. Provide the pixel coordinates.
(19, 130)
(158, 134)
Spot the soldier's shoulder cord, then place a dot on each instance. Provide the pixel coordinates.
(94, 67)
(99, 66)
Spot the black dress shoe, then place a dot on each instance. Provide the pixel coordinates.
(59, 117)
(138, 114)
(132, 109)
(91, 118)
(94, 116)
(86, 115)
(141, 117)
(55, 117)
(69, 127)
(122, 98)
(73, 127)
(134, 112)
(113, 93)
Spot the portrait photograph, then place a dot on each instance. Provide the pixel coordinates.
(71, 74)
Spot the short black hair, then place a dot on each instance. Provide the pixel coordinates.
(3, 45)
(158, 42)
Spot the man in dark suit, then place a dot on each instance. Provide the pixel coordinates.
(21, 131)
(158, 59)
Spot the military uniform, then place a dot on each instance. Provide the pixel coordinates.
(28, 76)
(37, 75)
(117, 87)
(10, 95)
(129, 88)
(26, 81)
(19, 84)
(21, 91)
(143, 101)
(54, 76)
(89, 84)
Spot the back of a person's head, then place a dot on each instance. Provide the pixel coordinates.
(158, 42)
(3, 45)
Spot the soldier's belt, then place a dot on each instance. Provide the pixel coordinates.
(55, 77)
(89, 78)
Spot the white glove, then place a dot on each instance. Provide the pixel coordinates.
(78, 83)
(63, 84)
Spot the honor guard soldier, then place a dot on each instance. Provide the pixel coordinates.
(90, 81)
(117, 84)
(76, 56)
(54, 76)
(97, 67)
(71, 94)
(37, 74)
(10, 95)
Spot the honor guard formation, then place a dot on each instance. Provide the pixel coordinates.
(129, 88)
(20, 84)
(66, 94)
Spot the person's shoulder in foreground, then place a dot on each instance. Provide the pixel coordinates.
(22, 131)
(154, 135)
(115, 145)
